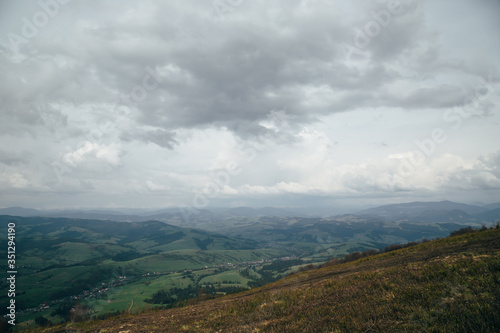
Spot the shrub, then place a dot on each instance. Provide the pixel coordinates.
(463, 231)
(42, 321)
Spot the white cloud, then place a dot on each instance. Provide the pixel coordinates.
(107, 153)
(152, 186)
(13, 180)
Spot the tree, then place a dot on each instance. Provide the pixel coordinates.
(463, 231)
(4, 325)
(42, 321)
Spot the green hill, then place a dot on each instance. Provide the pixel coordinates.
(446, 285)
(105, 264)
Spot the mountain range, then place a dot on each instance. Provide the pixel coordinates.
(442, 211)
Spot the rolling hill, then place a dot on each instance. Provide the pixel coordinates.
(59, 259)
(446, 285)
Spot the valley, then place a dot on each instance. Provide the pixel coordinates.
(105, 268)
(448, 285)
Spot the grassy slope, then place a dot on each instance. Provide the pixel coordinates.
(448, 285)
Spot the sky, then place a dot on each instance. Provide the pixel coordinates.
(285, 103)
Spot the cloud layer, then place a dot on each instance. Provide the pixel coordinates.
(142, 103)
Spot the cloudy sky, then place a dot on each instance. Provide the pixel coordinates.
(248, 102)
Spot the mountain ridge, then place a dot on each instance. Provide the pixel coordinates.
(400, 210)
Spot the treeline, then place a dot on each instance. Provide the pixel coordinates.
(281, 265)
(173, 295)
(469, 229)
(178, 296)
(129, 255)
(202, 244)
(393, 247)
(269, 273)
(64, 310)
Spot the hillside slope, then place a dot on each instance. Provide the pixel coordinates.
(447, 285)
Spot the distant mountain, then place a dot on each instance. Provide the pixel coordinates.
(444, 211)
(74, 214)
(165, 212)
(455, 215)
(19, 211)
(490, 215)
(265, 211)
(94, 215)
(492, 206)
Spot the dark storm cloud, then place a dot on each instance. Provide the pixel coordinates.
(13, 158)
(160, 137)
(230, 73)
(227, 71)
(242, 78)
(22, 93)
(444, 96)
